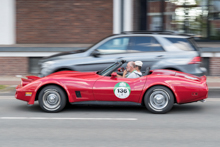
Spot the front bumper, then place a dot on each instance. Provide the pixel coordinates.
(25, 95)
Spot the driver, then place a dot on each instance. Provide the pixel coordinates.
(130, 71)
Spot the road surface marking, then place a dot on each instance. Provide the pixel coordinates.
(213, 99)
(7, 97)
(60, 118)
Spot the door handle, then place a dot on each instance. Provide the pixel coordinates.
(159, 57)
(119, 58)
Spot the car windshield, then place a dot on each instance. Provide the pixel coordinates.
(107, 71)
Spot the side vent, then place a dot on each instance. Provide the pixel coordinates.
(78, 94)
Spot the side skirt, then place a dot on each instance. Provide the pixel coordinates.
(105, 103)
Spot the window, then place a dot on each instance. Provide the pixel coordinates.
(182, 43)
(155, 45)
(116, 45)
(146, 44)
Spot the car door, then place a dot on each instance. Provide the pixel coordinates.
(110, 51)
(146, 49)
(118, 89)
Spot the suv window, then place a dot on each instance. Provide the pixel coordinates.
(145, 44)
(116, 45)
(182, 43)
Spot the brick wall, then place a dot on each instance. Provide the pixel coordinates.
(13, 65)
(155, 7)
(214, 66)
(63, 21)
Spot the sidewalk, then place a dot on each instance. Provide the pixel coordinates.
(213, 82)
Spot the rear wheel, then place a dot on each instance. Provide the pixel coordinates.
(52, 99)
(159, 99)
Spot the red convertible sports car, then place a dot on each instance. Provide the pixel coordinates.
(158, 90)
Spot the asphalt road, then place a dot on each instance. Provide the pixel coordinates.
(194, 124)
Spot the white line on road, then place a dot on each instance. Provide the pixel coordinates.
(7, 97)
(213, 99)
(60, 118)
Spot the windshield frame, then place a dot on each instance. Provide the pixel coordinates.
(107, 71)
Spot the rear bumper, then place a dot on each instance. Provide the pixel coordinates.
(203, 90)
(194, 91)
(202, 71)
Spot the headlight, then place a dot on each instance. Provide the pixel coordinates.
(47, 64)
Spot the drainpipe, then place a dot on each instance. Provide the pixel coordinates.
(128, 15)
(117, 16)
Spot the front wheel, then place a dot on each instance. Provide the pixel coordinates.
(52, 99)
(159, 99)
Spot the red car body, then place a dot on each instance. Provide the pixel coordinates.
(93, 87)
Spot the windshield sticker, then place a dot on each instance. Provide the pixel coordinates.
(122, 90)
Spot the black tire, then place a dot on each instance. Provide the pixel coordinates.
(159, 99)
(52, 99)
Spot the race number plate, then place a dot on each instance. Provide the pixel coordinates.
(122, 90)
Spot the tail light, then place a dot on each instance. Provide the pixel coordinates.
(195, 60)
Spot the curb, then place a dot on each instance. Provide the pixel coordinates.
(10, 82)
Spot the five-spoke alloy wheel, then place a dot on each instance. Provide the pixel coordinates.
(52, 99)
(159, 99)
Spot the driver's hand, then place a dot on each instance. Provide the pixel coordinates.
(124, 73)
(118, 75)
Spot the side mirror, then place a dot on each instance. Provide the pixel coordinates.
(114, 75)
(95, 53)
(121, 69)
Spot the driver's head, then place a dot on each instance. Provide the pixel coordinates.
(130, 66)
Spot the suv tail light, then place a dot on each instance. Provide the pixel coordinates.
(195, 60)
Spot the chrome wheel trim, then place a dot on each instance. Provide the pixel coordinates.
(51, 100)
(159, 99)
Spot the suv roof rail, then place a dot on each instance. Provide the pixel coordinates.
(157, 32)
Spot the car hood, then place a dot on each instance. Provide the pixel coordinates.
(65, 55)
(61, 74)
(71, 74)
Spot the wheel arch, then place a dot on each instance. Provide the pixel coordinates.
(142, 101)
(172, 68)
(51, 84)
(62, 69)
